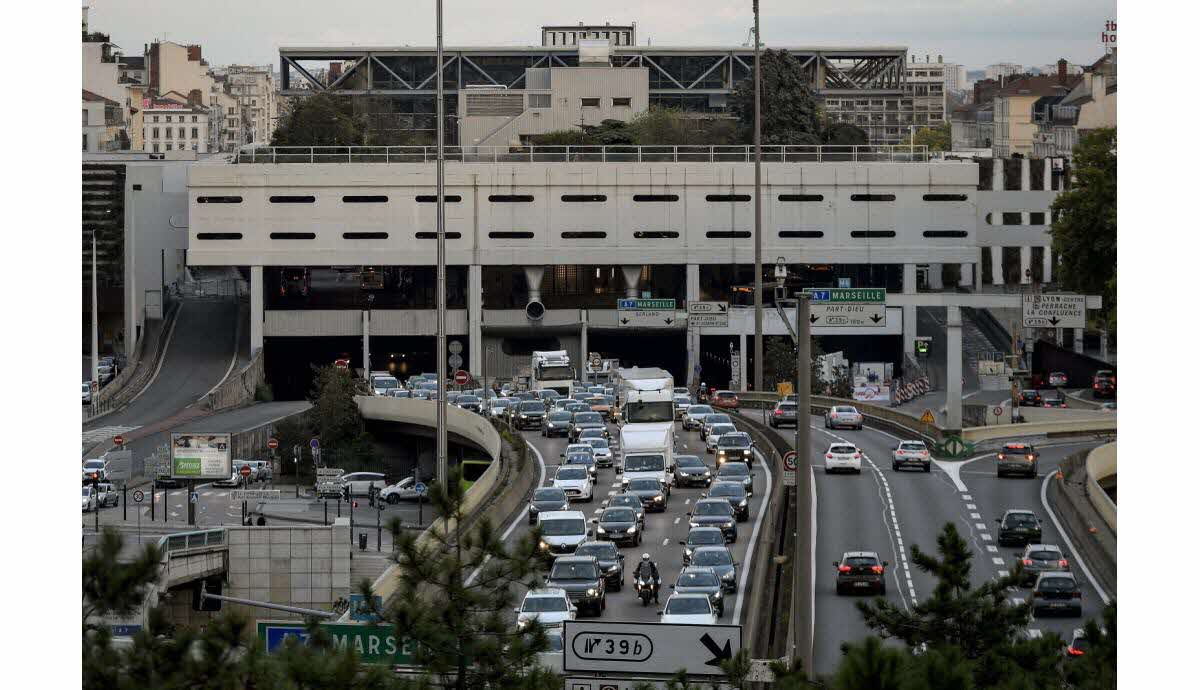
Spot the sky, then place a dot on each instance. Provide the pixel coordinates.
(970, 32)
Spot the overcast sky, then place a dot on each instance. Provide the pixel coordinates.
(970, 32)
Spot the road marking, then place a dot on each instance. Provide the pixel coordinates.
(666, 541)
(737, 608)
(612, 493)
(980, 526)
(687, 501)
(677, 520)
(597, 511)
(1002, 573)
(966, 497)
(992, 548)
(985, 536)
(1079, 561)
(975, 516)
(970, 506)
(616, 485)
(1016, 601)
(1034, 632)
(521, 515)
(220, 494)
(997, 560)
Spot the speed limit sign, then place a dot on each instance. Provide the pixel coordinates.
(789, 461)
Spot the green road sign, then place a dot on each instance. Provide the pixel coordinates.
(848, 295)
(375, 644)
(630, 303)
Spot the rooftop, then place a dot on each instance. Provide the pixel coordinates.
(97, 98)
(406, 49)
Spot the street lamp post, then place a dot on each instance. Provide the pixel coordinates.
(440, 351)
(758, 301)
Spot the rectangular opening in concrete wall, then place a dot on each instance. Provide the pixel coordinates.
(727, 197)
(872, 234)
(432, 235)
(655, 197)
(365, 199)
(727, 234)
(801, 234)
(944, 233)
(219, 200)
(584, 198)
(364, 235)
(510, 198)
(293, 199)
(584, 235)
(218, 235)
(432, 198)
(801, 197)
(511, 235)
(293, 235)
(655, 234)
(872, 197)
(944, 197)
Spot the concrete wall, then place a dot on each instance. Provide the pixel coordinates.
(1102, 463)
(156, 236)
(305, 566)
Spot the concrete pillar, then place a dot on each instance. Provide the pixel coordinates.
(910, 328)
(966, 275)
(693, 282)
(997, 265)
(1079, 340)
(693, 345)
(953, 368)
(909, 284)
(366, 331)
(742, 362)
(583, 344)
(631, 274)
(1047, 266)
(256, 308)
(1047, 175)
(475, 319)
(997, 175)
(935, 277)
(977, 272)
(1025, 186)
(533, 276)
(1026, 264)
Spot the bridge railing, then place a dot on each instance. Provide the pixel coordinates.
(185, 541)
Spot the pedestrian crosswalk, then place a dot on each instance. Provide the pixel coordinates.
(93, 436)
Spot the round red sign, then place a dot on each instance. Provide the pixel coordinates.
(245, 471)
(461, 377)
(273, 443)
(119, 440)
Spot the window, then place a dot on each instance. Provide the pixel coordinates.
(433, 235)
(656, 197)
(194, 119)
(154, 118)
(510, 235)
(168, 118)
(156, 147)
(376, 199)
(589, 102)
(155, 132)
(182, 133)
(293, 235)
(85, 138)
(85, 117)
(944, 233)
(364, 235)
(169, 146)
(219, 200)
(727, 234)
(195, 132)
(872, 197)
(195, 146)
(727, 197)
(622, 102)
(539, 100)
(432, 199)
(945, 197)
(584, 235)
(656, 234)
(510, 198)
(801, 197)
(218, 235)
(292, 199)
(583, 198)
(800, 234)
(872, 234)
(169, 132)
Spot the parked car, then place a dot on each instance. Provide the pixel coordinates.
(783, 414)
(90, 501)
(726, 400)
(843, 416)
(911, 454)
(549, 607)
(1017, 458)
(1056, 593)
(1019, 527)
(860, 571)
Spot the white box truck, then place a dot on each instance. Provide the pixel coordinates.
(648, 450)
(551, 370)
(645, 395)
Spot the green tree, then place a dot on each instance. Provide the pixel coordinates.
(790, 114)
(563, 137)
(1085, 223)
(1097, 669)
(112, 587)
(320, 120)
(868, 665)
(335, 417)
(844, 134)
(936, 138)
(780, 355)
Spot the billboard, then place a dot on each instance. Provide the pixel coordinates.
(200, 456)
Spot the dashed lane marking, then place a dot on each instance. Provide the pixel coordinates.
(677, 520)
(985, 536)
(980, 526)
(971, 506)
(997, 560)
(1002, 573)
(966, 497)
(993, 548)
(975, 516)
(666, 541)
(1034, 632)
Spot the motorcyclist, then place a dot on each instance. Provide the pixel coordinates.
(648, 571)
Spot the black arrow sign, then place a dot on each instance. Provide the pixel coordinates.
(723, 307)
(876, 318)
(719, 654)
(1053, 320)
(669, 321)
(813, 318)
(624, 321)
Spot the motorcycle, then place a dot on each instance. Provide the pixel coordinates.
(646, 590)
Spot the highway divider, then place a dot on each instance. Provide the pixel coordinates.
(1101, 463)
(1068, 498)
(132, 379)
(878, 416)
(1066, 427)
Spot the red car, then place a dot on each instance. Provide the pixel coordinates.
(727, 400)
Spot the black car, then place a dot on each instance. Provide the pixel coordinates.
(619, 525)
(735, 447)
(702, 580)
(470, 402)
(557, 423)
(690, 470)
(698, 537)
(628, 501)
(1057, 402)
(721, 561)
(1038, 559)
(860, 571)
(735, 493)
(586, 420)
(545, 500)
(715, 512)
(737, 472)
(528, 414)
(651, 491)
(1056, 594)
(1019, 527)
(583, 580)
(1017, 458)
(611, 561)
(1030, 398)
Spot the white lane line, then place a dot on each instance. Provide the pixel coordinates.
(971, 506)
(677, 520)
(687, 501)
(1062, 533)
(737, 607)
(975, 516)
(812, 482)
(1034, 632)
(616, 485)
(666, 541)
(997, 560)
(597, 511)
(1016, 601)
(520, 515)
(1002, 573)
(985, 536)
(992, 548)
(612, 493)
(980, 526)
(966, 497)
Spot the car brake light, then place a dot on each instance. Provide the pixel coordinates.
(1028, 457)
(1037, 594)
(778, 412)
(1062, 563)
(1027, 561)
(843, 568)
(857, 456)
(877, 569)
(833, 415)
(829, 456)
(999, 456)
(1073, 651)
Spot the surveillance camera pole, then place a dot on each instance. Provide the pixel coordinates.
(802, 634)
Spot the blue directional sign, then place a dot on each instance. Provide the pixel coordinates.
(360, 609)
(645, 304)
(419, 488)
(274, 634)
(124, 630)
(819, 295)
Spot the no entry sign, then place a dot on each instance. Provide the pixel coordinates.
(119, 440)
(245, 471)
(461, 377)
(273, 443)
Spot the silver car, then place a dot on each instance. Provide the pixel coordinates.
(693, 418)
(843, 416)
(712, 420)
(714, 435)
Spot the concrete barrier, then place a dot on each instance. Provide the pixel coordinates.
(467, 426)
(239, 388)
(886, 418)
(1102, 463)
(1108, 424)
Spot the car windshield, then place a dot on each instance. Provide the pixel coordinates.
(573, 571)
(385, 383)
(860, 560)
(841, 450)
(734, 441)
(580, 459)
(598, 443)
(705, 536)
(712, 557)
(912, 446)
(644, 485)
(688, 461)
(94, 464)
(544, 604)
(1021, 520)
(596, 401)
(563, 527)
(721, 429)
(531, 406)
(549, 494)
(787, 407)
(723, 489)
(844, 410)
(726, 394)
(626, 500)
(556, 643)
(714, 419)
(501, 402)
(682, 400)
(734, 469)
(462, 399)
(560, 416)
(1056, 584)
(697, 579)
(712, 508)
(696, 410)
(644, 463)
(617, 515)
(588, 418)
(599, 550)
(572, 473)
(1045, 555)
(87, 490)
(688, 606)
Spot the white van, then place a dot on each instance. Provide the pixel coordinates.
(562, 531)
(648, 451)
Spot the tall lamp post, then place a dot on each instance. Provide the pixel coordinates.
(440, 351)
(758, 287)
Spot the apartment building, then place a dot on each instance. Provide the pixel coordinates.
(1091, 104)
(171, 126)
(254, 89)
(925, 87)
(103, 128)
(1015, 129)
(1002, 69)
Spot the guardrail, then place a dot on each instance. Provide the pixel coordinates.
(1081, 426)
(239, 388)
(582, 154)
(883, 417)
(185, 541)
(1101, 463)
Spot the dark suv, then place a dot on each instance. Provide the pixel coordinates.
(557, 423)
(1104, 384)
(585, 420)
(611, 561)
(860, 571)
(582, 579)
(1038, 559)
(528, 413)
(1019, 527)
(1017, 458)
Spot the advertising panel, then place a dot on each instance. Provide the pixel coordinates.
(200, 456)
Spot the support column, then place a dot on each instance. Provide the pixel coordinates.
(583, 344)
(909, 287)
(953, 368)
(366, 331)
(1047, 266)
(1025, 186)
(256, 309)
(935, 277)
(977, 271)
(742, 362)
(909, 284)
(1026, 264)
(1079, 340)
(693, 282)
(997, 175)
(475, 319)
(693, 334)
(631, 274)
(966, 276)
(997, 265)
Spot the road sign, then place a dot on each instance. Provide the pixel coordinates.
(201, 456)
(789, 468)
(273, 443)
(595, 360)
(647, 318)
(195, 497)
(138, 496)
(375, 644)
(1054, 311)
(245, 471)
(648, 647)
(735, 369)
(997, 410)
(461, 377)
(848, 295)
(847, 315)
(314, 443)
(254, 495)
(631, 683)
(419, 488)
(454, 347)
(360, 609)
(455, 361)
(701, 314)
(927, 416)
(633, 304)
(118, 465)
(118, 440)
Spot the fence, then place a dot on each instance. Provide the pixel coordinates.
(217, 288)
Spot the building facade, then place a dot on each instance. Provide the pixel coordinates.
(175, 127)
(1014, 127)
(925, 86)
(1002, 69)
(103, 128)
(254, 90)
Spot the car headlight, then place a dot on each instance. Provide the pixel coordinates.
(727, 576)
(543, 545)
(718, 595)
(614, 568)
(707, 473)
(591, 591)
(523, 416)
(533, 509)
(523, 623)
(625, 483)
(729, 524)
(746, 451)
(742, 504)
(631, 530)
(693, 524)
(600, 530)
(658, 499)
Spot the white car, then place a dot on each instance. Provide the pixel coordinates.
(87, 393)
(94, 466)
(710, 441)
(552, 658)
(360, 483)
(843, 416)
(562, 531)
(689, 609)
(693, 418)
(549, 606)
(601, 451)
(575, 481)
(682, 403)
(843, 457)
(89, 499)
(380, 385)
(910, 454)
(107, 495)
(403, 490)
(234, 480)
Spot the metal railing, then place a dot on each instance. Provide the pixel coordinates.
(582, 154)
(184, 541)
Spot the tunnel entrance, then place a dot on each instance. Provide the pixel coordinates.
(289, 361)
(665, 351)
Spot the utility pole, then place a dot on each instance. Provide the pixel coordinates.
(95, 326)
(440, 351)
(758, 301)
(802, 634)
